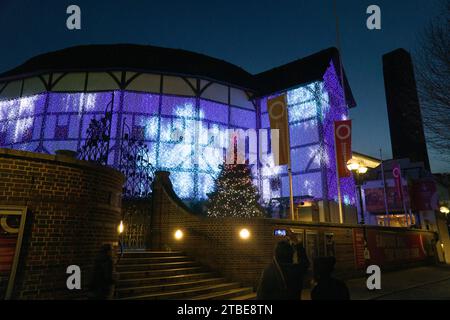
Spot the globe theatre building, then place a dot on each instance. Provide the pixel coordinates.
(169, 98)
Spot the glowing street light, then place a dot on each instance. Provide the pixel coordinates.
(444, 209)
(120, 227)
(244, 234)
(353, 166)
(178, 234)
(362, 169)
(358, 170)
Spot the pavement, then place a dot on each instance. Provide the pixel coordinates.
(420, 283)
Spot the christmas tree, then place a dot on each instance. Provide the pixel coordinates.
(234, 194)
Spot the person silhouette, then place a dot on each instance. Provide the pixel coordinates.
(102, 283)
(282, 279)
(327, 287)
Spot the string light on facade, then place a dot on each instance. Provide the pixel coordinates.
(187, 136)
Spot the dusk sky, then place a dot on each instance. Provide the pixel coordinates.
(255, 35)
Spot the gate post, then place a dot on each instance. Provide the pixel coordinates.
(157, 219)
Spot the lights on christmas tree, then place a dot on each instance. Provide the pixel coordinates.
(234, 194)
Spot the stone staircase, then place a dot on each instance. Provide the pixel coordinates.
(172, 275)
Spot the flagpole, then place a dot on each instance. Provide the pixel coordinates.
(404, 204)
(338, 44)
(291, 196)
(341, 216)
(403, 198)
(384, 189)
(280, 121)
(291, 189)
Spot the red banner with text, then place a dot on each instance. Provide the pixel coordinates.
(343, 142)
(278, 117)
(392, 248)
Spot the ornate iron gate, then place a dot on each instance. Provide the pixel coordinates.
(134, 163)
(137, 219)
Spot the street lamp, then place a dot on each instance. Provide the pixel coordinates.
(444, 209)
(358, 170)
(120, 227)
(178, 234)
(244, 234)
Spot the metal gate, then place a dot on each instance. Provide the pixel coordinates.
(137, 219)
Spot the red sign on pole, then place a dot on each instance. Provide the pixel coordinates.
(358, 248)
(390, 248)
(278, 116)
(375, 202)
(343, 140)
(397, 174)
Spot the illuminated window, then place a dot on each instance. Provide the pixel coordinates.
(27, 134)
(2, 137)
(61, 132)
(138, 132)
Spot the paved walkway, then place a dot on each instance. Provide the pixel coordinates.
(421, 283)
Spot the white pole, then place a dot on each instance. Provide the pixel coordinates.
(291, 191)
(291, 196)
(341, 215)
(384, 189)
(338, 43)
(403, 200)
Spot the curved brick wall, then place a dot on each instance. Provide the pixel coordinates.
(73, 208)
(215, 242)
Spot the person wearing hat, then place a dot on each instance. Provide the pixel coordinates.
(327, 288)
(283, 279)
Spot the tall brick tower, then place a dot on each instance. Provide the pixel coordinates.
(405, 119)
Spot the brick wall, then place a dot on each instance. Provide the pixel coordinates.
(73, 208)
(216, 242)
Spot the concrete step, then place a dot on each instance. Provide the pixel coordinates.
(133, 260)
(138, 291)
(249, 296)
(172, 275)
(126, 275)
(149, 254)
(187, 293)
(224, 294)
(155, 266)
(164, 280)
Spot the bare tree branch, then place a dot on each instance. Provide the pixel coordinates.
(433, 79)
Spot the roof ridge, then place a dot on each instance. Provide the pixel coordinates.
(149, 58)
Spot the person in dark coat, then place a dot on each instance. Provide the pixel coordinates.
(327, 288)
(283, 279)
(102, 284)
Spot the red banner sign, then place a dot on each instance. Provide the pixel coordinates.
(374, 200)
(391, 248)
(425, 195)
(343, 143)
(358, 248)
(397, 174)
(278, 116)
(12, 222)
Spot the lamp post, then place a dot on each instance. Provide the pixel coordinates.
(358, 170)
